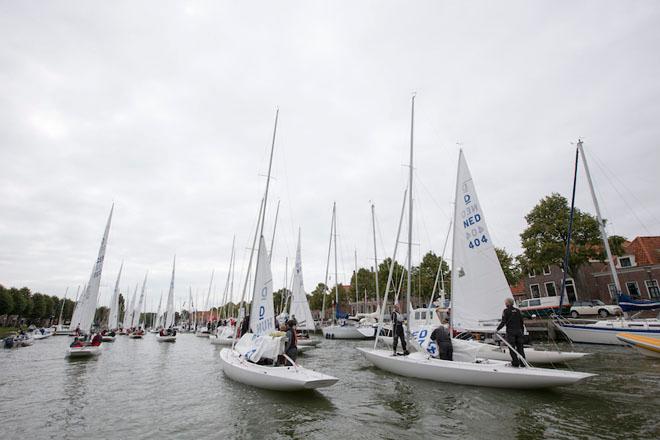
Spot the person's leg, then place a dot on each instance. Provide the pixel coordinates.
(394, 339)
(403, 342)
(520, 347)
(511, 339)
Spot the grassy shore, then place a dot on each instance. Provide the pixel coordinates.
(5, 331)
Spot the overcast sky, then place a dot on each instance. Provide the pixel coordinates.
(167, 109)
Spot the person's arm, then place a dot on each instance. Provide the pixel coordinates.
(505, 319)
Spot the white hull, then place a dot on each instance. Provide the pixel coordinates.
(308, 342)
(368, 332)
(169, 338)
(292, 378)
(495, 374)
(38, 336)
(221, 341)
(202, 334)
(134, 336)
(305, 348)
(645, 346)
(342, 332)
(81, 352)
(604, 332)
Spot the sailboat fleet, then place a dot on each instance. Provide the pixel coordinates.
(255, 351)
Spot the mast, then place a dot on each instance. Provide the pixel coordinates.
(373, 227)
(334, 319)
(567, 255)
(327, 263)
(272, 240)
(208, 295)
(356, 284)
(59, 319)
(224, 294)
(410, 211)
(601, 223)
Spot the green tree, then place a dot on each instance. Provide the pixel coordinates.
(544, 239)
(510, 266)
(20, 302)
(38, 306)
(6, 302)
(316, 299)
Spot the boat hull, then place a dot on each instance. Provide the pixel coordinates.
(532, 355)
(495, 374)
(169, 338)
(649, 347)
(84, 352)
(291, 378)
(221, 341)
(600, 334)
(134, 336)
(308, 342)
(342, 332)
(108, 338)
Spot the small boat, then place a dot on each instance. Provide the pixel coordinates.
(137, 334)
(646, 345)
(84, 351)
(223, 336)
(203, 333)
(488, 373)
(345, 331)
(606, 331)
(17, 341)
(41, 333)
(108, 336)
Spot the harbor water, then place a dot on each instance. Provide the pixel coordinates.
(142, 389)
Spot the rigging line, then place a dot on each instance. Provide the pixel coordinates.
(421, 182)
(632, 210)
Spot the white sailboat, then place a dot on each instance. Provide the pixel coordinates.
(239, 363)
(299, 307)
(605, 331)
(224, 335)
(168, 333)
(205, 331)
(339, 329)
(466, 368)
(87, 304)
(137, 331)
(113, 314)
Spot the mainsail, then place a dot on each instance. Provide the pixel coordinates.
(262, 314)
(130, 312)
(299, 305)
(169, 311)
(113, 317)
(478, 283)
(140, 305)
(87, 303)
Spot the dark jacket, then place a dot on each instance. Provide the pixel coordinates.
(395, 319)
(441, 335)
(513, 320)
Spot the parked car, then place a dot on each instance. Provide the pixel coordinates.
(594, 307)
(545, 306)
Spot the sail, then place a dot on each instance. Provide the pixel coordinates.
(169, 311)
(89, 299)
(262, 314)
(75, 317)
(299, 305)
(158, 316)
(130, 312)
(478, 283)
(140, 304)
(113, 317)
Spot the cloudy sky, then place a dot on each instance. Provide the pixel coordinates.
(167, 109)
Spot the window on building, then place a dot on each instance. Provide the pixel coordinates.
(625, 262)
(535, 291)
(633, 289)
(546, 270)
(652, 288)
(550, 288)
(532, 273)
(571, 293)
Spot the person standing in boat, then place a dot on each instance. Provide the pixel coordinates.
(515, 328)
(398, 331)
(291, 345)
(442, 339)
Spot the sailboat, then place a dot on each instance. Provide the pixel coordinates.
(299, 307)
(253, 360)
(168, 333)
(59, 330)
(605, 331)
(340, 328)
(87, 304)
(137, 332)
(466, 368)
(108, 335)
(224, 335)
(205, 331)
(156, 326)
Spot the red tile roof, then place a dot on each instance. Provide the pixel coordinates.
(518, 289)
(645, 249)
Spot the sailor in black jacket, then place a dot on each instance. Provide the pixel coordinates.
(398, 331)
(515, 328)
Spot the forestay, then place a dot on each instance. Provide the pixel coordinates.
(299, 305)
(262, 314)
(478, 283)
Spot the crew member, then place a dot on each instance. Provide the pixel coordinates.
(291, 345)
(442, 339)
(515, 328)
(397, 330)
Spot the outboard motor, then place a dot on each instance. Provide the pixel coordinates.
(9, 342)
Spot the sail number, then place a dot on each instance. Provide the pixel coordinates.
(477, 242)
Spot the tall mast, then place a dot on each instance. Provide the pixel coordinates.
(356, 284)
(272, 240)
(410, 211)
(373, 227)
(334, 319)
(59, 320)
(327, 263)
(601, 223)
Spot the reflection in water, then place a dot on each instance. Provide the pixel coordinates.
(141, 389)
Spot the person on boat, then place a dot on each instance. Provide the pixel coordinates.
(96, 340)
(77, 343)
(245, 325)
(77, 331)
(291, 345)
(513, 321)
(442, 340)
(397, 330)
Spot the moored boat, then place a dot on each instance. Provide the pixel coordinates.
(646, 345)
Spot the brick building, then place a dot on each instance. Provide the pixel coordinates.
(638, 270)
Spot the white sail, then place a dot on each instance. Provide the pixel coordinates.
(262, 314)
(478, 283)
(140, 304)
(169, 311)
(158, 315)
(131, 309)
(87, 303)
(75, 317)
(113, 317)
(299, 305)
